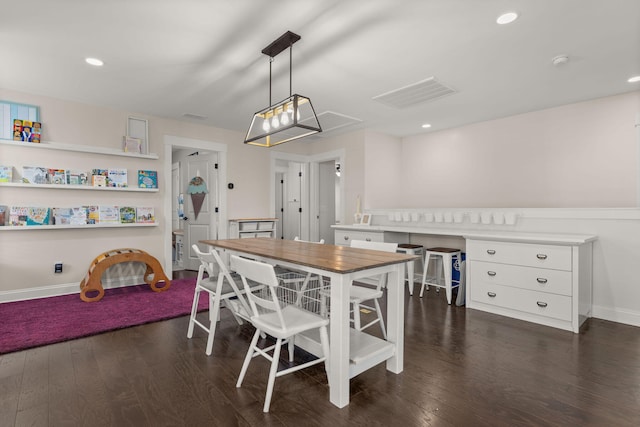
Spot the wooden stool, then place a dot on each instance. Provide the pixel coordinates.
(92, 282)
(411, 249)
(444, 270)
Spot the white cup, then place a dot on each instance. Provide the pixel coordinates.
(458, 217)
(474, 217)
(428, 217)
(439, 217)
(391, 217)
(415, 216)
(498, 218)
(405, 216)
(448, 217)
(398, 216)
(485, 217)
(510, 218)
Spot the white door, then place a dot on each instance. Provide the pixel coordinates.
(280, 192)
(204, 226)
(175, 193)
(292, 223)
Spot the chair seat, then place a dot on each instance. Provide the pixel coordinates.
(210, 284)
(295, 318)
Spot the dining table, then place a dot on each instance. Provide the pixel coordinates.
(351, 351)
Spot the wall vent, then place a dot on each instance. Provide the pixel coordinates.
(330, 120)
(417, 93)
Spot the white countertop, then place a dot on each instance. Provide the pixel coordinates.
(508, 235)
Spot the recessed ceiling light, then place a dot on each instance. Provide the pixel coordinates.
(507, 18)
(634, 79)
(426, 125)
(94, 61)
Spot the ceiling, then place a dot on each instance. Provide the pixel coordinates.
(196, 57)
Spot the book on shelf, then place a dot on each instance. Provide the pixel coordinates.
(17, 130)
(127, 214)
(61, 216)
(18, 216)
(57, 176)
(35, 175)
(131, 144)
(78, 215)
(6, 173)
(36, 131)
(38, 216)
(77, 177)
(109, 214)
(98, 180)
(4, 215)
(147, 179)
(93, 214)
(145, 215)
(117, 178)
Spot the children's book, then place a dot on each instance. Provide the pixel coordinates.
(147, 179)
(117, 178)
(131, 145)
(18, 216)
(145, 215)
(99, 180)
(35, 175)
(109, 214)
(36, 131)
(61, 216)
(38, 216)
(78, 215)
(77, 177)
(4, 215)
(17, 130)
(57, 176)
(127, 215)
(93, 214)
(6, 173)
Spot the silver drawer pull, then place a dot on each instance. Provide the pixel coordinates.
(346, 237)
(368, 239)
(541, 256)
(541, 304)
(491, 273)
(491, 251)
(541, 280)
(491, 294)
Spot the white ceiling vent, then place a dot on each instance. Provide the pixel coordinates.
(424, 91)
(330, 120)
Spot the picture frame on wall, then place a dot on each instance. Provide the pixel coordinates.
(366, 219)
(139, 128)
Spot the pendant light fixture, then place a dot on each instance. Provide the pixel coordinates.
(289, 119)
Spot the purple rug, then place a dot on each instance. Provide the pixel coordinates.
(27, 324)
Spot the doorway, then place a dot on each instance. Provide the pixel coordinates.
(187, 158)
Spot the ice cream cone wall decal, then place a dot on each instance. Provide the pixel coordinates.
(198, 190)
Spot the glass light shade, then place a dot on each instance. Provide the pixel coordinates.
(302, 122)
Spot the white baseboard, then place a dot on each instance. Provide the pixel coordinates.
(63, 289)
(627, 317)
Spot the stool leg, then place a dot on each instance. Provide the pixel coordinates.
(410, 269)
(424, 274)
(447, 262)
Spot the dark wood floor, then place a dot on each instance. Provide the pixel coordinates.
(462, 368)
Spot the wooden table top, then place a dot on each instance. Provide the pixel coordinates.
(336, 259)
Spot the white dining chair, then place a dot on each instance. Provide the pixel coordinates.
(367, 289)
(221, 287)
(279, 320)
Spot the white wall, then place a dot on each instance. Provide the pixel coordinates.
(578, 155)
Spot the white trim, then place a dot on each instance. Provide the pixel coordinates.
(40, 292)
(548, 213)
(627, 317)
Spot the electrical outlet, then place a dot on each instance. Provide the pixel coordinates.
(57, 267)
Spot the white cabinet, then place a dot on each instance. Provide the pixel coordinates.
(252, 227)
(545, 283)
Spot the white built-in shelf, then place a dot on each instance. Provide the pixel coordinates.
(48, 145)
(76, 187)
(67, 227)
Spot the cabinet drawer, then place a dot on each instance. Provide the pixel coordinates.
(535, 279)
(527, 254)
(524, 300)
(344, 237)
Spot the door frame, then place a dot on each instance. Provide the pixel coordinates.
(311, 200)
(170, 142)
